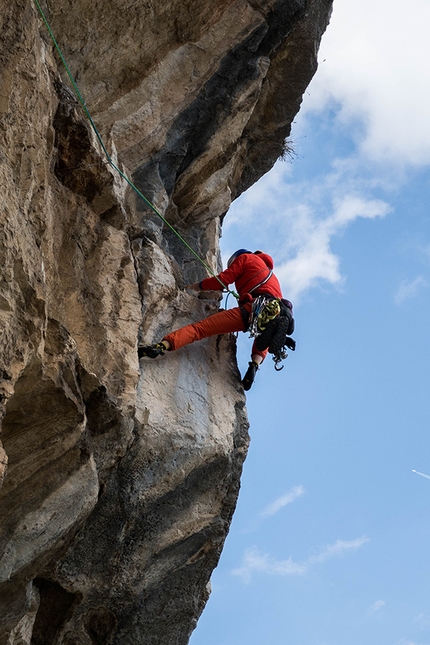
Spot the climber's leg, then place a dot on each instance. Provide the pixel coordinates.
(257, 357)
(222, 322)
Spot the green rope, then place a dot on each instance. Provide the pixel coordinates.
(110, 160)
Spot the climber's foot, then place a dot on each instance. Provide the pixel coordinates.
(152, 351)
(249, 377)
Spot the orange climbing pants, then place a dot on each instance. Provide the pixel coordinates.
(222, 322)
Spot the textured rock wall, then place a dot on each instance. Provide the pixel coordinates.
(119, 480)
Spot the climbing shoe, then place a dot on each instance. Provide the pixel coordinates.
(249, 377)
(152, 351)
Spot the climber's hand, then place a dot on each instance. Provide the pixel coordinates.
(194, 287)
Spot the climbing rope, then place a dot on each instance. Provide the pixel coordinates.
(110, 160)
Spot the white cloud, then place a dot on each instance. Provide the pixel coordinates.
(297, 223)
(255, 561)
(410, 289)
(282, 501)
(313, 261)
(376, 606)
(378, 78)
(337, 549)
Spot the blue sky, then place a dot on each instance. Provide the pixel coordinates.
(329, 543)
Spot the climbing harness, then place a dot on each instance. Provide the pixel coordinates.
(110, 160)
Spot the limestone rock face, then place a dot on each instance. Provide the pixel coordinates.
(119, 480)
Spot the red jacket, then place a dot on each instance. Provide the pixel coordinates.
(246, 271)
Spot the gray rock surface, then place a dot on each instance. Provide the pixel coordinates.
(119, 480)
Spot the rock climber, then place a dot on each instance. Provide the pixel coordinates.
(252, 273)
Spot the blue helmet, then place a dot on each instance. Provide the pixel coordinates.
(236, 254)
